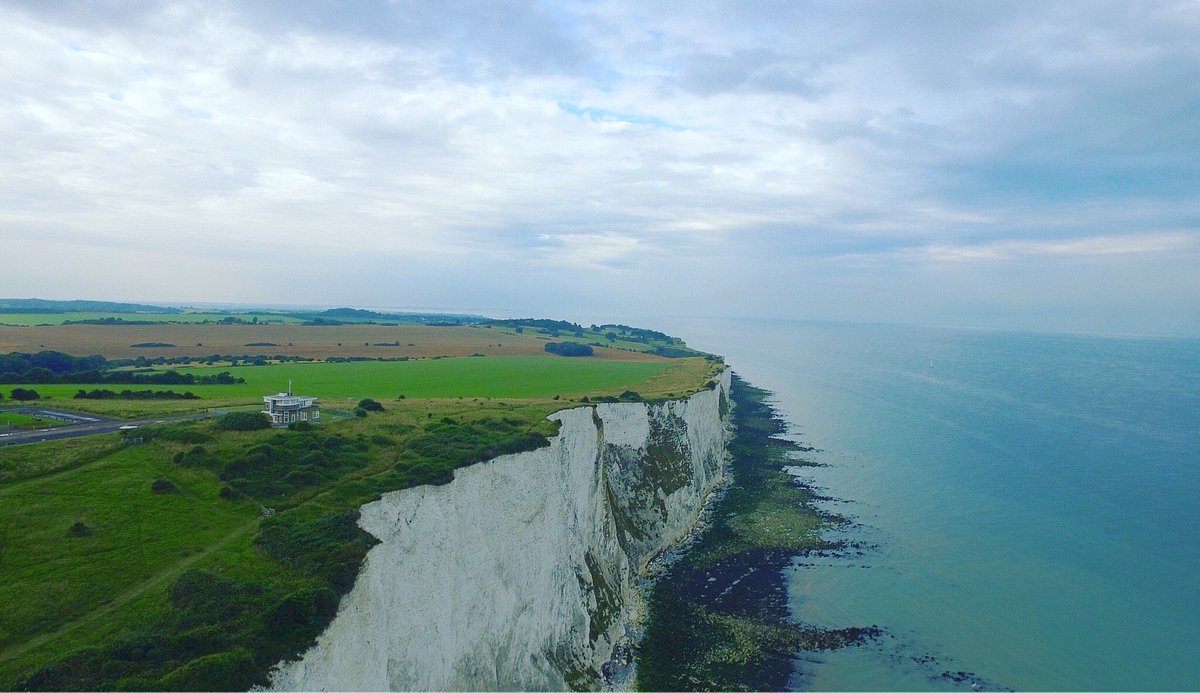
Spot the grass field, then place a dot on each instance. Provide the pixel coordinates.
(512, 377)
(62, 588)
(14, 420)
(133, 533)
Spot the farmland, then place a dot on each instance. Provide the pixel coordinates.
(312, 341)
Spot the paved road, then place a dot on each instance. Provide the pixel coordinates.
(78, 425)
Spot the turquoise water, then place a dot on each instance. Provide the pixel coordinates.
(1033, 501)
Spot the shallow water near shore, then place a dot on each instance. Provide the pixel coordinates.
(1031, 500)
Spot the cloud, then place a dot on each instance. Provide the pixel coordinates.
(592, 251)
(464, 140)
(1075, 248)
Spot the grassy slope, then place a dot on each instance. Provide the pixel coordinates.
(70, 592)
(52, 578)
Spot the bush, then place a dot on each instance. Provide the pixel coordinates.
(331, 546)
(79, 530)
(180, 434)
(22, 395)
(243, 421)
(261, 471)
(300, 426)
(197, 457)
(163, 486)
(72, 672)
(225, 671)
(370, 405)
(308, 607)
(360, 412)
(134, 394)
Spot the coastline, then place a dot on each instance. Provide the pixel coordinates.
(717, 617)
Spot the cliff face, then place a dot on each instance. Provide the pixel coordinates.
(519, 574)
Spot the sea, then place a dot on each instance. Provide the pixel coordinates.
(1027, 505)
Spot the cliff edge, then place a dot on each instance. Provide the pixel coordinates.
(520, 573)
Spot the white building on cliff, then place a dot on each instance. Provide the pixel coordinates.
(284, 408)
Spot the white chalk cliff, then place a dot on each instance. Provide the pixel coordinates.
(520, 573)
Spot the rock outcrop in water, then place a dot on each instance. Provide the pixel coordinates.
(520, 573)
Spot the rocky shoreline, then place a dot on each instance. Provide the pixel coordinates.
(717, 618)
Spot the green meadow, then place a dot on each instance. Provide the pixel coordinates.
(513, 377)
(15, 420)
(128, 538)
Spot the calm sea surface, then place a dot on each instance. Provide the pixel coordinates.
(1033, 501)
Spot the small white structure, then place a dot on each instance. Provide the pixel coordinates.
(284, 408)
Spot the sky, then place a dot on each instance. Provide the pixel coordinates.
(1012, 165)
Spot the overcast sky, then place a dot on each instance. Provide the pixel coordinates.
(1015, 165)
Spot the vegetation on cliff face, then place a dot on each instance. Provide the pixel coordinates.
(718, 619)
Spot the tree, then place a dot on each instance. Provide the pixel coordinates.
(22, 395)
